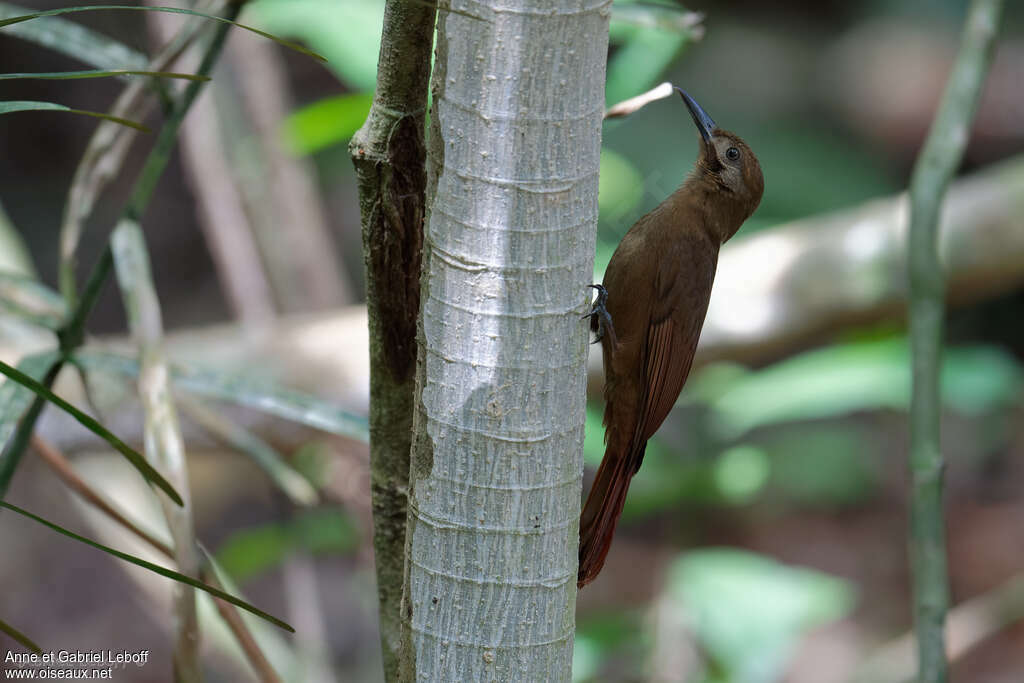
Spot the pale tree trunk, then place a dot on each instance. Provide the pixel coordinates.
(494, 494)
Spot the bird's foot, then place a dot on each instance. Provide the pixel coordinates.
(600, 319)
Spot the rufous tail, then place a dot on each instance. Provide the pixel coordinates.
(601, 513)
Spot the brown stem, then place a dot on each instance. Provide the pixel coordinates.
(390, 160)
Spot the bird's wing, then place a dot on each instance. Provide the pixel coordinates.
(669, 355)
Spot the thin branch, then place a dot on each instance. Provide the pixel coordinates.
(932, 173)
(233, 618)
(66, 473)
(633, 104)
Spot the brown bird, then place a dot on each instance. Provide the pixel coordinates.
(650, 311)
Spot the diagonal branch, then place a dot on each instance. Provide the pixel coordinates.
(66, 473)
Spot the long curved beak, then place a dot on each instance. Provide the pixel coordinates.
(700, 117)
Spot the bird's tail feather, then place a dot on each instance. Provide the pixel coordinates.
(601, 513)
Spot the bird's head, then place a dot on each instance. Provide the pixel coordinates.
(726, 164)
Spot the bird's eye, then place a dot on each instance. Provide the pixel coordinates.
(732, 154)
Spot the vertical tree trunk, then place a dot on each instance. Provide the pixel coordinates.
(389, 156)
(495, 482)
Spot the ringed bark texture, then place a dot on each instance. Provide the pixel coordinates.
(514, 147)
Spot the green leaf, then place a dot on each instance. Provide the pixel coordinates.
(247, 391)
(977, 380)
(827, 465)
(99, 73)
(73, 40)
(21, 410)
(13, 106)
(254, 551)
(327, 530)
(170, 10)
(748, 612)
(95, 427)
(608, 636)
(620, 186)
(14, 256)
(741, 472)
(639, 63)
(163, 571)
(31, 300)
(348, 33)
(593, 436)
(15, 398)
(841, 379)
(326, 122)
(20, 637)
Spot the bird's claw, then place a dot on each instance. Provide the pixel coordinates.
(600, 319)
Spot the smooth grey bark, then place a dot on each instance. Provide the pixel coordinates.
(389, 156)
(494, 493)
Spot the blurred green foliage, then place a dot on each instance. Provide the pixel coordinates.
(792, 156)
(781, 428)
(620, 188)
(643, 45)
(313, 460)
(326, 122)
(825, 465)
(618, 634)
(742, 613)
(346, 33)
(741, 471)
(256, 550)
(747, 612)
(842, 379)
